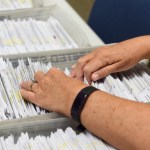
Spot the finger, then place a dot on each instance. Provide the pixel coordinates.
(93, 66)
(80, 65)
(76, 72)
(73, 66)
(105, 71)
(29, 86)
(29, 96)
(53, 72)
(87, 76)
(38, 76)
(79, 74)
(72, 73)
(83, 60)
(26, 85)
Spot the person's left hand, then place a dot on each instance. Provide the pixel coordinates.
(53, 91)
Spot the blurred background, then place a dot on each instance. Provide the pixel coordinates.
(83, 7)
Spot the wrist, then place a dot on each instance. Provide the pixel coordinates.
(76, 87)
(80, 101)
(143, 46)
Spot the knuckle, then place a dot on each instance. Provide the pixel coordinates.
(105, 72)
(34, 87)
(79, 75)
(86, 69)
(99, 57)
(36, 74)
(45, 80)
(103, 60)
(101, 53)
(52, 72)
(80, 61)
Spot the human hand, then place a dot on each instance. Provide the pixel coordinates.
(108, 59)
(53, 91)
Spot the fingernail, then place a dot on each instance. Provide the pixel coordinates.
(95, 76)
(72, 73)
(69, 75)
(73, 66)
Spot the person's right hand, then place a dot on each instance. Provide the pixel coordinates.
(109, 59)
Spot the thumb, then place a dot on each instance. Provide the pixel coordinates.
(103, 72)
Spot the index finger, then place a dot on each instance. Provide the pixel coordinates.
(29, 96)
(83, 60)
(77, 70)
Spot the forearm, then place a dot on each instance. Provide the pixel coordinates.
(142, 44)
(122, 123)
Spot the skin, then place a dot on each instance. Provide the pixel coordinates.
(109, 59)
(122, 123)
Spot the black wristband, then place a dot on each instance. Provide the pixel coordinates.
(80, 101)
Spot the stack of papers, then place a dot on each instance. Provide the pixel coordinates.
(60, 140)
(133, 84)
(31, 35)
(11, 103)
(15, 4)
